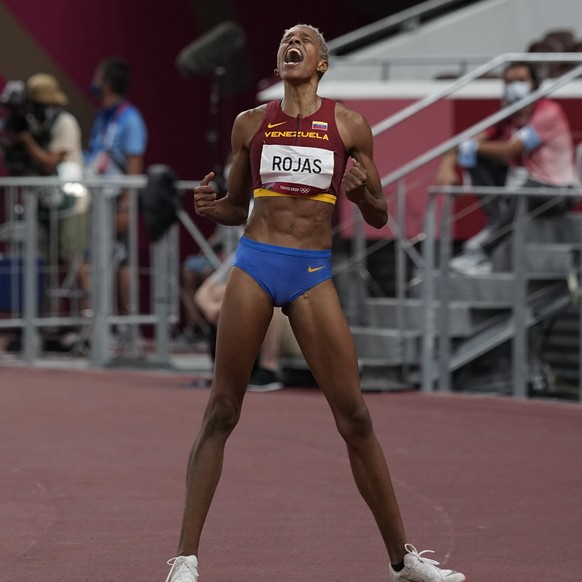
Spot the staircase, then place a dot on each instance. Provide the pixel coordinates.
(480, 316)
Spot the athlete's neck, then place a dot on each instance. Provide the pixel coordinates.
(299, 105)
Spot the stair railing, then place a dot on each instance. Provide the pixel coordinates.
(398, 176)
(405, 19)
(520, 314)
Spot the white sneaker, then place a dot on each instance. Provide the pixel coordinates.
(477, 240)
(419, 569)
(184, 569)
(472, 262)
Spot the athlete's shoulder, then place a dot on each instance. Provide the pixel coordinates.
(258, 111)
(251, 116)
(248, 122)
(350, 120)
(339, 106)
(348, 115)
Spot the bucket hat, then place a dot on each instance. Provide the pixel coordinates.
(44, 89)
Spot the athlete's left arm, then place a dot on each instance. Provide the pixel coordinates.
(361, 183)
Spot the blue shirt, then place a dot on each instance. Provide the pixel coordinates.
(120, 131)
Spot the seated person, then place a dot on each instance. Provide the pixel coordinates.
(265, 376)
(537, 138)
(195, 270)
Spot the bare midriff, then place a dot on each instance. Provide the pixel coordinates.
(291, 222)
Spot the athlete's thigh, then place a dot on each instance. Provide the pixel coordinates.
(245, 314)
(326, 342)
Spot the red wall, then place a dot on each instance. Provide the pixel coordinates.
(398, 146)
(418, 135)
(468, 112)
(74, 35)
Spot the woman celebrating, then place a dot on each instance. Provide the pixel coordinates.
(291, 155)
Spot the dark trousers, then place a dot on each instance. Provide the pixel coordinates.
(501, 210)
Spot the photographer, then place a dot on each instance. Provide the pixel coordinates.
(14, 157)
(50, 139)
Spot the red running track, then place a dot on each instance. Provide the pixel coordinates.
(92, 472)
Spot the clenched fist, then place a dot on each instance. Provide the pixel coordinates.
(354, 182)
(205, 196)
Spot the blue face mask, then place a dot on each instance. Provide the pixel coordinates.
(95, 91)
(515, 91)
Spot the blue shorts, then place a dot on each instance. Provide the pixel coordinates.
(283, 273)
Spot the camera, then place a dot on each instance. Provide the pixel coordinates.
(15, 108)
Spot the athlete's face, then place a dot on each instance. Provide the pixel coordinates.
(299, 54)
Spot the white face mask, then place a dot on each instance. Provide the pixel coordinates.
(515, 91)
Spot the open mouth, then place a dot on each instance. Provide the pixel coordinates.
(293, 55)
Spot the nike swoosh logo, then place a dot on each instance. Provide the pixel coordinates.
(313, 269)
(272, 125)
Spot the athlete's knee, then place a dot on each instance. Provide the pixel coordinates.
(355, 425)
(223, 416)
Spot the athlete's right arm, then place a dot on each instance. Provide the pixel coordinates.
(232, 210)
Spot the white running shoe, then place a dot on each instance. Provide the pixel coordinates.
(472, 262)
(420, 569)
(477, 240)
(184, 569)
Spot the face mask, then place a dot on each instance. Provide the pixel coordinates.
(95, 91)
(515, 91)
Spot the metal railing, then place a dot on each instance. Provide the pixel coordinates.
(398, 177)
(437, 320)
(447, 91)
(480, 71)
(43, 296)
(381, 67)
(404, 20)
(544, 90)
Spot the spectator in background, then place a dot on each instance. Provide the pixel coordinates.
(265, 376)
(116, 147)
(537, 137)
(196, 268)
(48, 138)
(52, 141)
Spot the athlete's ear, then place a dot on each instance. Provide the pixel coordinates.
(322, 67)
